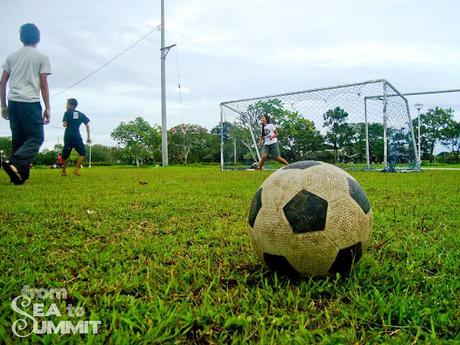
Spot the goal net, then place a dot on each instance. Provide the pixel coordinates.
(365, 126)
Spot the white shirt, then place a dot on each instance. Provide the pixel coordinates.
(24, 67)
(269, 137)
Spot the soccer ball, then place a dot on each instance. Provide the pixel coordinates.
(310, 219)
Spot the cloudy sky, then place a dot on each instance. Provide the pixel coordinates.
(231, 49)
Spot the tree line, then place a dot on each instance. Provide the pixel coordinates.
(341, 140)
(139, 142)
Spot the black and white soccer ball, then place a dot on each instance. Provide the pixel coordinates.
(310, 219)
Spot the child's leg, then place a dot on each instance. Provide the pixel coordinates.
(262, 160)
(281, 160)
(80, 147)
(64, 167)
(77, 169)
(65, 155)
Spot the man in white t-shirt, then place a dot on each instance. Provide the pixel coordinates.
(26, 71)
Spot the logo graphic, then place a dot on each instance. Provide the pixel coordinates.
(34, 315)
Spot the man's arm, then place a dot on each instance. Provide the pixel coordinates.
(88, 136)
(46, 97)
(3, 83)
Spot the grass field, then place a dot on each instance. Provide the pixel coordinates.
(163, 256)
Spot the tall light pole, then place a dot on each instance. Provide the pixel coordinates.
(164, 124)
(419, 106)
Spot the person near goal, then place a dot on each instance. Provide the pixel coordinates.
(270, 141)
(26, 71)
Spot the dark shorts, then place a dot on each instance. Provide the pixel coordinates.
(73, 143)
(272, 150)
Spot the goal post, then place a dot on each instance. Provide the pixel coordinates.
(363, 126)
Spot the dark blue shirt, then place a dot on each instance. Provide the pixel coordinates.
(74, 120)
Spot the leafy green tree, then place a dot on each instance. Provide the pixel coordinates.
(376, 144)
(298, 137)
(340, 132)
(241, 142)
(227, 127)
(6, 146)
(186, 141)
(211, 149)
(102, 153)
(46, 157)
(452, 138)
(272, 107)
(434, 129)
(140, 140)
(229, 142)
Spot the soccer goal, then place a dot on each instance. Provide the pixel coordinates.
(363, 126)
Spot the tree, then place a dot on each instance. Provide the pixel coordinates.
(186, 140)
(298, 137)
(6, 146)
(434, 125)
(140, 140)
(46, 157)
(226, 128)
(241, 138)
(340, 132)
(452, 138)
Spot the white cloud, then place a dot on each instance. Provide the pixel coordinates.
(234, 48)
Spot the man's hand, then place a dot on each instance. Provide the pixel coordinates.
(46, 116)
(5, 113)
(89, 141)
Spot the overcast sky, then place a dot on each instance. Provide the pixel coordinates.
(232, 49)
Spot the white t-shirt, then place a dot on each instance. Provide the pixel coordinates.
(269, 137)
(24, 67)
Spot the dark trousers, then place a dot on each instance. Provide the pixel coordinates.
(26, 123)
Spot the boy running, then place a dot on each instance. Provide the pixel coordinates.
(72, 137)
(27, 72)
(270, 141)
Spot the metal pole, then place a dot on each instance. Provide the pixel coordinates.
(419, 106)
(414, 144)
(221, 138)
(234, 151)
(385, 139)
(90, 159)
(249, 127)
(306, 91)
(164, 125)
(419, 140)
(254, 141)
(366, 126)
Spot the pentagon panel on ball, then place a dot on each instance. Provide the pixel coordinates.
(310, 219)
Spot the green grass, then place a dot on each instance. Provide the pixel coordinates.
(169, 260)
(426, 164)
